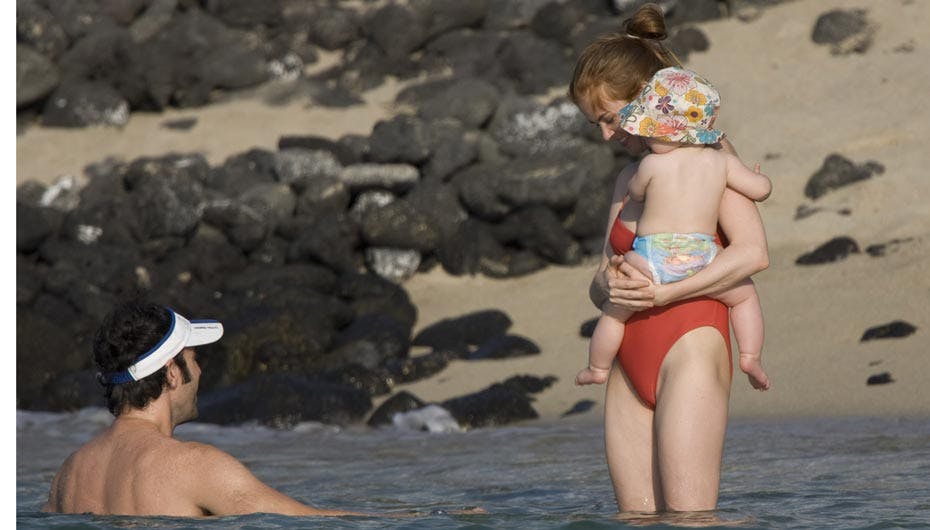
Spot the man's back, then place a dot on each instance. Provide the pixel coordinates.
(128, 469)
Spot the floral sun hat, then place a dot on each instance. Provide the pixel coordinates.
(676, 105)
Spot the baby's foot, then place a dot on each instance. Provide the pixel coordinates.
(592, 376)
(751, 364)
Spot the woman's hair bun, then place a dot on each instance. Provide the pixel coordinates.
(647, 22)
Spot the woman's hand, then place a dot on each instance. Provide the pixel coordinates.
(627, 287)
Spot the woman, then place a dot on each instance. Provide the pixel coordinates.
(666, 403)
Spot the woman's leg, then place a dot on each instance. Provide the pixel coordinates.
(691, 419)
(630, 447)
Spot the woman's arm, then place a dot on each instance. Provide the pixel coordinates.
(627, 289)
(746, 255)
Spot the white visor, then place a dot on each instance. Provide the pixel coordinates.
(182, 333)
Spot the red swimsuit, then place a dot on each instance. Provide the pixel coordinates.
(650, 334)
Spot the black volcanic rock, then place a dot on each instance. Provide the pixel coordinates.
(282, 401)
(495, 405)
(451, 148)
(835, 26)
(505, 347)
(242, 171)
(442, 16)
(558, 20)
(79, 104)
(530, 384)
(326, 238)
(400, 139)
(834, 250)
(402, 401)
(895, 329)
(538, 229)
(468, 53)
(587, 328)
(880, 379)
(534, 64)
(36, 27)
(34, 224)
(36, 76)
(333, 27)
(369, 341)
(396, 29)
(471, 329)
(411, 369)
(836, 172)
(399, 225)
(470, 100)
(166, 194)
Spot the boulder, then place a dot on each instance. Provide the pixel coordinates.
(393, 264)
(536, 228)
(493, 406)
(410, 369)
(392, 177)
(36, 76)
(535, 65)
(834, 250)
(325, 238)
(242, 171)
(895, 329)
(370, 294)
(80, 104)
(472, 329)
(333, 27)
(505, 347)
(845, 30)
(403, 139)
(470, 100)
(283, 400)
(298, 166)
(399, 225)
(836, 172)
(166, 194)
(396, 29)
(37, 28)
(402, 401)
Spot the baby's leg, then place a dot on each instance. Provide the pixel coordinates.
(749, 328)
(641, 264)
(605, 341)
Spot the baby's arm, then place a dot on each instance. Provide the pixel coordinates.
(640, 179)
(741, 179)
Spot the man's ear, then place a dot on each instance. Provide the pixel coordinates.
(173, 373)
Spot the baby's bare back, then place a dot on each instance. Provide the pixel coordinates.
(683, 190)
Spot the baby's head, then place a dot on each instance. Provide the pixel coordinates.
(675, 106)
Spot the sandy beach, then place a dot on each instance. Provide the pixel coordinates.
(788, 103)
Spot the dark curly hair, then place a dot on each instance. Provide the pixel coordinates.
(129, 330)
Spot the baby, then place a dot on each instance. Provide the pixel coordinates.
(681, 183)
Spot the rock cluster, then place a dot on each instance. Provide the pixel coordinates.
(87, 62)
(300, 251)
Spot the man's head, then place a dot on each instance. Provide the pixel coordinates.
(140, 348)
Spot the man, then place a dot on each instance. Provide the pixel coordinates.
(145, 354)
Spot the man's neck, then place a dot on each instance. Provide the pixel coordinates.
(156, 415)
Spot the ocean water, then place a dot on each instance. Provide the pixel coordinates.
(811, 473)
